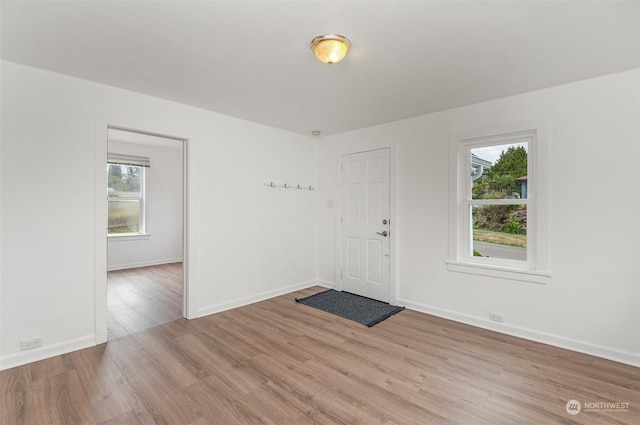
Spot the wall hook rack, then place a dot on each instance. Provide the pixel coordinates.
(288, 186)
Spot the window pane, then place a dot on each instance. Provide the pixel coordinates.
(124, 181)
(499, 172)
(124, 216)
(499, 231)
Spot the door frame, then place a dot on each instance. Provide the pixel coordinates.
(189, 222)
(393, 225)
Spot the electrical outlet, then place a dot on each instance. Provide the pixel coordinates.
(496, 317)
(28, 344)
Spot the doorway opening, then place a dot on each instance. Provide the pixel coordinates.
(146, 205)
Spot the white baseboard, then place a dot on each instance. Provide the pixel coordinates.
(327, 284)
(608, 353)
(46, 351)
(112, 267)
(217, 308)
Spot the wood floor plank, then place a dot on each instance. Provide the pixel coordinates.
(132, 417)
(280, 362)
(218, 400)
(15, 392)
(157, 390)
(60, 399)
(143, 298)
(106, 390)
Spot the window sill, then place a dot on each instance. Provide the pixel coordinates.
(531, 276)
(129, 237)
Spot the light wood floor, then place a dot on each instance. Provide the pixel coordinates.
(278, 362)
(143, 298)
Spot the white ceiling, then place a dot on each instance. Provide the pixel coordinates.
(251, 59)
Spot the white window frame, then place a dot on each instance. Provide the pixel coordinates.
(536, 268)
(142, 231)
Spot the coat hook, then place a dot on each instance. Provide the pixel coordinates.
(285, 186)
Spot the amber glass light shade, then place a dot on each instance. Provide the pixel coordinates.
(330, 48)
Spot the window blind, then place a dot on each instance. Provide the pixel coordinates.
(131, 160)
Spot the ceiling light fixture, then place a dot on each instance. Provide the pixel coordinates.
(330, 48)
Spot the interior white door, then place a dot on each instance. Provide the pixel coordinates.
(366, 224)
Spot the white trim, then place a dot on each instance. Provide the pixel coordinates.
(46, 351)
(338, 218)
(326, 284)
(123, 237)
(394, 227)
(100, 231)
(190, 227)
(137, 264)
(521, 275)
(241, 302)
(559, 341)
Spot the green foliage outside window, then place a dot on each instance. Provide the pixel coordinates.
(500, 182)
(124, 179)
(125, 197)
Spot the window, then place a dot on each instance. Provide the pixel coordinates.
(496, 202)
(499, 225)
(126, 195)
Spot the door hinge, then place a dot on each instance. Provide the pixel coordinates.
(340, 219)
(340, 274)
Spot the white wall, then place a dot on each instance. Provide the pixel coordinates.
(252, 241)
(591, 301)
(164, 204)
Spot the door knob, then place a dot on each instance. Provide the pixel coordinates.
(383, 233)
